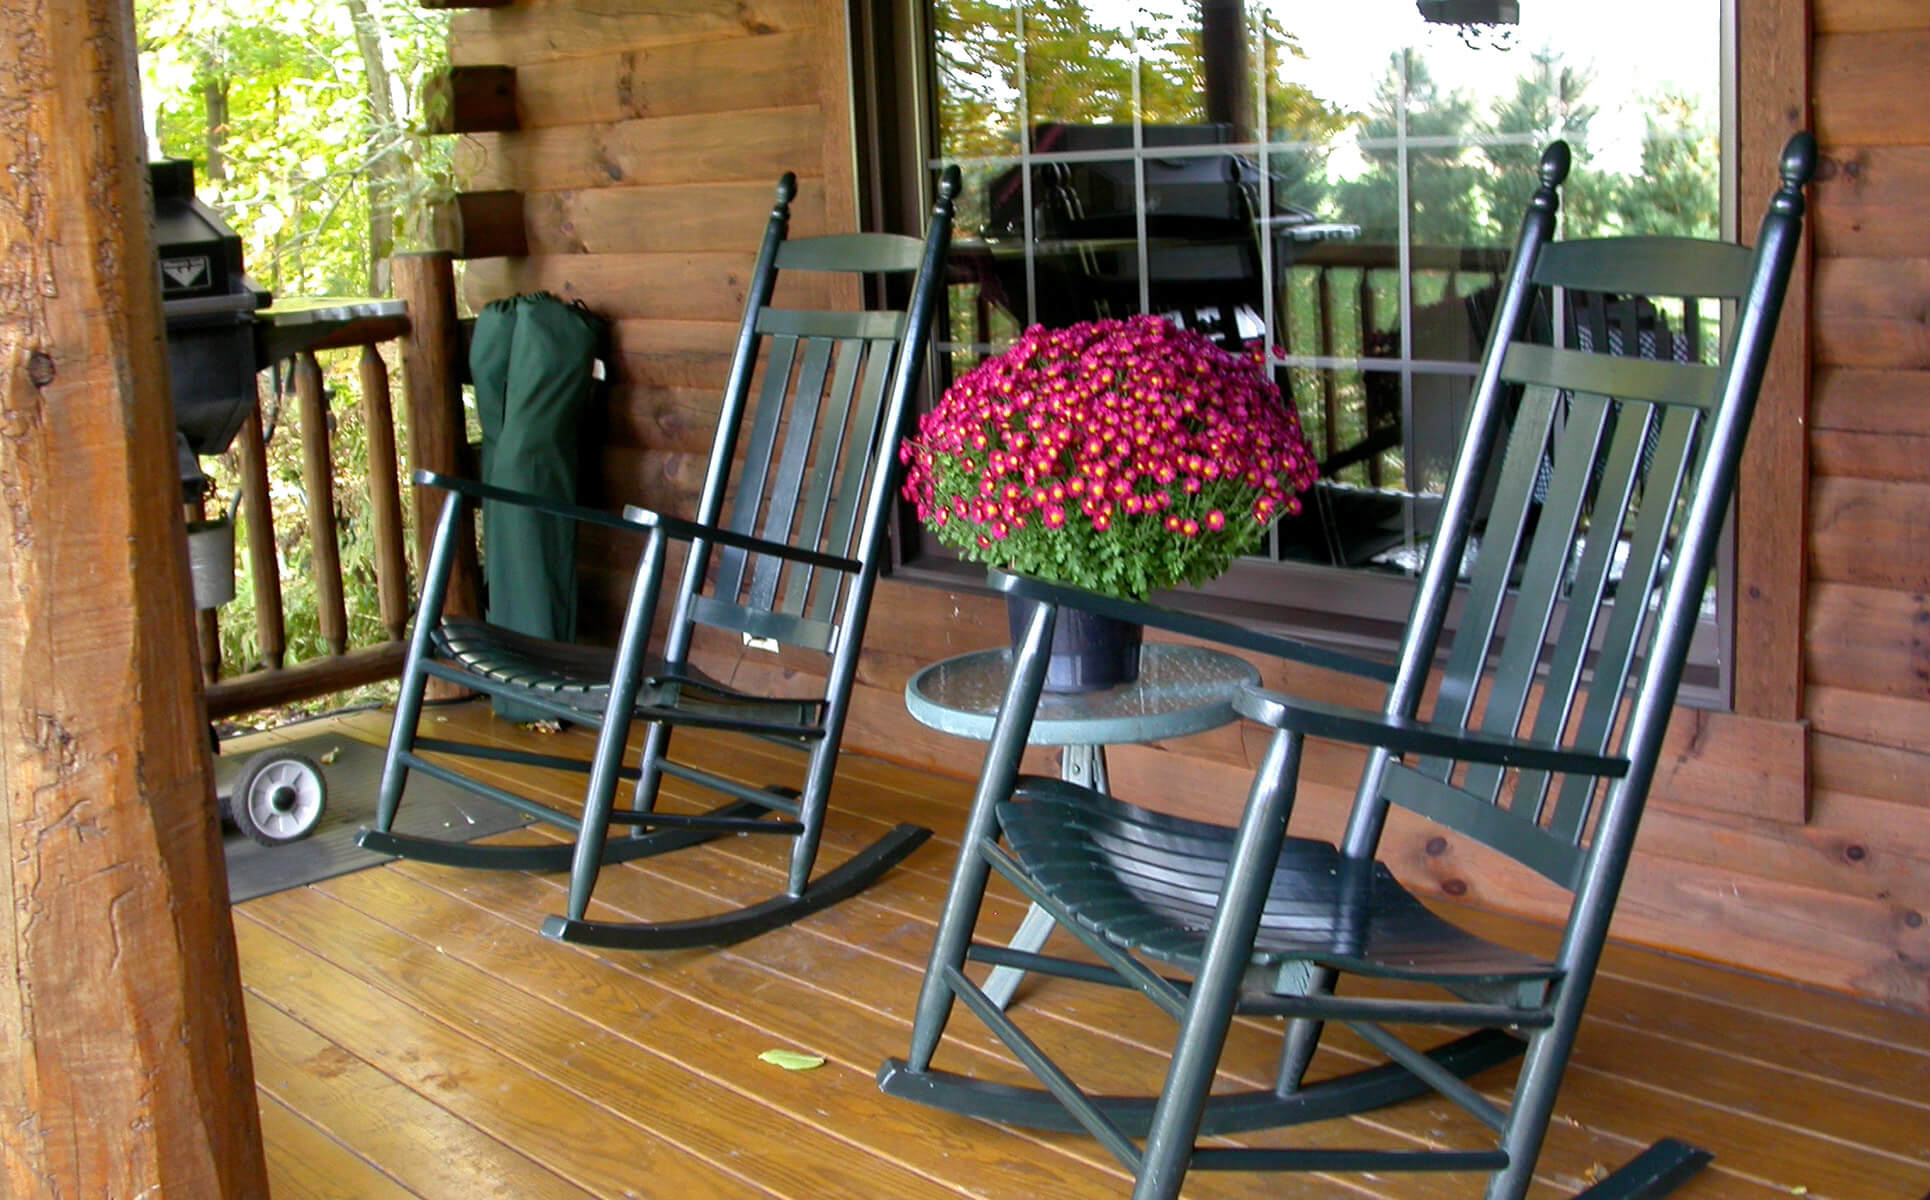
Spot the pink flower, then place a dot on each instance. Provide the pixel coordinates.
(1082, 415)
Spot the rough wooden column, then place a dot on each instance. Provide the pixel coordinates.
(1772, 494)
(126, 1069)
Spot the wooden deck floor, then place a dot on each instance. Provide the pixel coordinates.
(413, 1036)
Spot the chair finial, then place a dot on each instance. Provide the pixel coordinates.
(948, 184)
(1555, 161)
(1798, 165)
(786, 189)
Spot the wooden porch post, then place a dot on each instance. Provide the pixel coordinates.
(125, 1070)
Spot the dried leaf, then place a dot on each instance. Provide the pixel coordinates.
(792, 1060)
(1595, 1173)
(334, 752)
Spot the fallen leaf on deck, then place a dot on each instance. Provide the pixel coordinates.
(792, 1060)
(334, 752)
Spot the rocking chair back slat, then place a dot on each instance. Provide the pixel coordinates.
(1582, 606)
(1623, 643)
(1654, 266)
(1488, 591)
(813, 521)
(823, 390)
(846, 474)
(1545, 572)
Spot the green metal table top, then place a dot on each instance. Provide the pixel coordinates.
(1180, 690)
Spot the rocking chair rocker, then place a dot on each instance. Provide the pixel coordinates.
(1611, 474)
(815, 453)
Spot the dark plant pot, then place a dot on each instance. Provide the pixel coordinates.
(1090, 653)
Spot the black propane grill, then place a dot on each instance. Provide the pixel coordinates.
(210, 307)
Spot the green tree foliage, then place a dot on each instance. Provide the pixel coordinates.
(1674, 191)
(1446, 185)
(291, 131)
(1548, 103)
(299, 116)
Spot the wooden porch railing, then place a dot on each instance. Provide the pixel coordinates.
(430, 340)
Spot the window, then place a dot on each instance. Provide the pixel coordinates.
(1336, 186)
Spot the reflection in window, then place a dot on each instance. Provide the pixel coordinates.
(1335, 186)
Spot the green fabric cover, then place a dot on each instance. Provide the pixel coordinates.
(531, 361)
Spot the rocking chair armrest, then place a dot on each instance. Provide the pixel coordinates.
(686, 530)
(477, 490)
(1225, 633)
(1403, 735)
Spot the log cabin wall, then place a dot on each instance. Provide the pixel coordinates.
(647, 148)
(629, 160)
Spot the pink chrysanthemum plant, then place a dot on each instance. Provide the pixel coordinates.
(1116, 456)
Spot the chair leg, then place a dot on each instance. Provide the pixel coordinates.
(606, 766)
(415, 680)
(1534, 1098)
(1303, 1035)
(1215, 990)
(811, 810)
(996, 781)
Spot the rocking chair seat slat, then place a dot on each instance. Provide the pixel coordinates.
(579, 676)
(1150, 881)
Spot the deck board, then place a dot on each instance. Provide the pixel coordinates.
(414, 1036)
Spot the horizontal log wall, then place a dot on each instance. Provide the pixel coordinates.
(1867, 622)
(646, 147)
(643, 158)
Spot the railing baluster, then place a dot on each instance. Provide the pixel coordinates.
(385, 495)
(318, 481)
(264, 563)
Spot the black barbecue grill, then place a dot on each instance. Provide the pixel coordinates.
(210, 306)
(214, 325)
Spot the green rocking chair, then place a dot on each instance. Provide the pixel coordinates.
(1588, 494)
(806, 451)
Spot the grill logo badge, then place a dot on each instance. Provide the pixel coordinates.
(185, 274)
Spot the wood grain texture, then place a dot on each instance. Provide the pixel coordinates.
(1868, 202)
(1869, 16)
(774, 70)
(1884, 720)
(711, 147)
(306, 1164)
(1871, 531)
(126, 1070)
(1773, 93)
(1868, 88)
(1886, 457)
(1871, 313)
(662, 287)
(1846, 764)
(858, 964)
(534, 31)
(1870, 640)
(434, 979)
(1865, 401)
(671, 219)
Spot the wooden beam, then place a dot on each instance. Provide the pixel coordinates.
(1770, 513)
(470, 100)
(126, 1070)
(481, 225)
